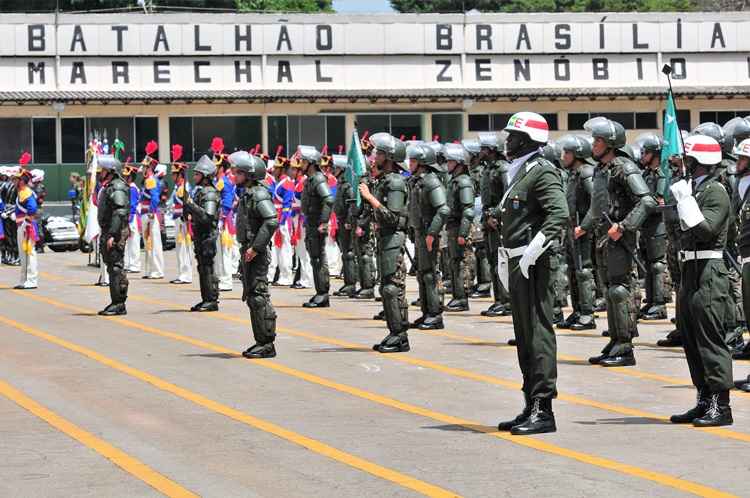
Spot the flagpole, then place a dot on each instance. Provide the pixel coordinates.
(667, 70)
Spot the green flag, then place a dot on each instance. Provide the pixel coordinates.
(119, 147)
(356, 161)
(672, 142)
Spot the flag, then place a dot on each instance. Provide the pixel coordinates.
(92, 229)
(672, 141)
(356, 161)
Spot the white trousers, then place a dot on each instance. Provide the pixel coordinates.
(154, 267)
(183, 251)
(133, 248)
(29, 269)
(103, 274)
(300, 250)
(281, 258)
(224, 262)
(333, 255)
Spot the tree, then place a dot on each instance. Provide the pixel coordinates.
(285, 5)
(550, 5)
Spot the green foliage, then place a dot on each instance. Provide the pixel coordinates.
(244, 5)
(424, 6)
(285, 5)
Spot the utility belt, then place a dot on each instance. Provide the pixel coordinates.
(696, 255)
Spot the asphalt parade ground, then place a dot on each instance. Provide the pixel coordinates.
(160, 402)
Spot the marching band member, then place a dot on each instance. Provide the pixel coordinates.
(150, 218)
(26, 209)
(183, 235)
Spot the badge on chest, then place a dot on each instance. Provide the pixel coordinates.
(515, 203)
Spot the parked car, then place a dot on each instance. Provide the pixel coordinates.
(60, 233)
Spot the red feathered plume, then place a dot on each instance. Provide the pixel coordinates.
(401, 137)
(151, 147)
(176, 152)
(24, 159)
(256, 150)
(324, 152)
(341, 149)
(413, 137)
(217, 145)
(436, 138)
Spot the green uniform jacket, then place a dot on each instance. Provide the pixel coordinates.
(204, 210)
(492, 187)
(114, 209)
(256, 219)
(461, 204)
(711, 233)
(391, 216)
(344, 200)
(317, 200)
(535, 202)
(432, 208)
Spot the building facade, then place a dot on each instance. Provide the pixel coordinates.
(283, 80)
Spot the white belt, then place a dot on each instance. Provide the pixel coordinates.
(512, 253)
(744, 260)
(691, 255)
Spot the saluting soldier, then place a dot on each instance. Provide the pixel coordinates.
(202, 209)
(704, 212)
(317, 203)
(256, 224)
(458, 226)
(427, 214)
(621, 197)
(390, 212)
(533, 212)
(114, 210)
(341, 206)
(653, 231)
(492, 188)
(575, 155)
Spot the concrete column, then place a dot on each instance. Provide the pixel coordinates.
(349, 127)
(165, 142)
(58, 139)
(264, 134)
(426, 126)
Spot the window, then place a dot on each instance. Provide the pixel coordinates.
(238, 132)
(181, 132)
(45, 140)
(448, 127)
(497, 122)
(145, 129)
(16, 133)
(683, 119)
(629, 120)
(73, 140)
(720, 117)
(315, 130)
(407, 125)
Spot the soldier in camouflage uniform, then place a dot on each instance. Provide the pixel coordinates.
(654, 232)
(360, 220)
(483, 287)
(703, 207)
(460, 219)
(256, 224)
(341, 206)
(114, 211)
(317, 203)
(202, 208)
(492, 188)
(575, 154)
(427, 214)
(390, 211)
(621, 197)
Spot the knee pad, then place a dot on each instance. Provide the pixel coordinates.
(618, 294)
(428, 278)
(389, 291)
(585, 274)
(658, 267)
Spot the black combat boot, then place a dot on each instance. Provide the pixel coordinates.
(393, 343)
(584, 322)
(744, 354)
(655, 312)
(416, 323)
(600, 304)
(478, 293)
(364, 294)
(621, 360)
(512, 342)
(673, 340)
(700, 409)
(570, 320)
(347, 290)
(417, 302)
(318, 301)
(205, 306)
(260, 351)
(496, 309)
(114, 310)
(557, 316)
(541, 419)
(594, 360)
(431, 323)
(520, 418)
(718, 414)
(457, 305)
(380, 315)
(744, 385)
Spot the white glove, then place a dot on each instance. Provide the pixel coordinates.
(689, 213)
(535, 249)
(681, 190)
(4, 216)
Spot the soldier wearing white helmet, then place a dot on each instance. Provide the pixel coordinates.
(741, 207)
(533, 212)
(704, 212)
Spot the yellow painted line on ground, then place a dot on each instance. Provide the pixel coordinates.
(126, 462)
(318, 447)
(529, 442)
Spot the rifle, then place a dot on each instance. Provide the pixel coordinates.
(625, 246)
(728, 258)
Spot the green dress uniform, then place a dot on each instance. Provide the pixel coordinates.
(256, 224)
(672, 226)
(114, 210)
(704, 294)
(364, 247)
(391, 219)
(203, 211)
(427, 213)
(459, 224)
(534, 203)
(742, 208)
(317, 203)
(492, 189)
(653, 238)
(620, 193)
(341, 207)
(579, 251)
